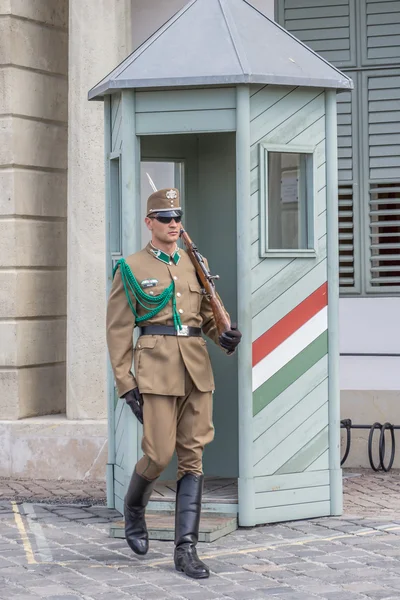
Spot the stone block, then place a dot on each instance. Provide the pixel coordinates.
(53, 448)
(33, 193)
(41, 293)
(8, 299)
(9, 393)
(32, 143)
(8, 345)
(32, 94)
(40, 342)
(46, 11)
(27, 243)
(37, 144)
(41, 390)
(28, 44)
(7, 196)
(26, 293)
(29, 342)
(32, 392)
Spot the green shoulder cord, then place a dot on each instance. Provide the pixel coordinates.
(152, 304)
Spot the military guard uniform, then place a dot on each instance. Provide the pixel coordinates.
(171, 388)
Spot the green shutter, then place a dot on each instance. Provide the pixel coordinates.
(381, 21)
(382, 163)
(325, 26)
(348, 189)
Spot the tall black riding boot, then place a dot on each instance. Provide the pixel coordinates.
(136, 500)
(187, 521)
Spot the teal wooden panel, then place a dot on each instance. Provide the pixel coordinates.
(119, 490)
(177, 100)
(308, 454)
(265, 97)
(320, 464)
(296, 496)
(321, 224)
(293, 512)
(274, 311)
(293, 443)
(294, 416)
(291, 481)
(280, 111)
(283, 280)
(119, 474)
(196, 121)
(116, 122)
(285, 132)
(119, 504)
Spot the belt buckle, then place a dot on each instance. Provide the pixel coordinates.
(184, 332)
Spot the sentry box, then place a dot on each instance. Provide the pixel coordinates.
(227, 106)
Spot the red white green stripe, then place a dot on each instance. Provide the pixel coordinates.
(289, 348)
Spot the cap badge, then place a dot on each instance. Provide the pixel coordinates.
(171, 195)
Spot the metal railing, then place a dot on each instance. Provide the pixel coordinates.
(348, 425)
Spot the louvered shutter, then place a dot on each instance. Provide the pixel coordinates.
(382, 146)
(381, 44)
(347, 188)
(325, 26)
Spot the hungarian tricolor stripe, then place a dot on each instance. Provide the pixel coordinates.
(291, 347)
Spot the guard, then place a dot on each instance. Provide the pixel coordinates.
(157, 290)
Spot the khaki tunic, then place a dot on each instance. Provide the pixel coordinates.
(160, 361)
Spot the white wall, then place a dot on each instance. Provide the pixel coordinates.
(150, 15)
(370, 333)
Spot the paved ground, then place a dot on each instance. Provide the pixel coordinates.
(62, 552)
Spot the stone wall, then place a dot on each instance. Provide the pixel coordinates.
(33, 206)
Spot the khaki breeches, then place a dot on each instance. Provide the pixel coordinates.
(182, 423)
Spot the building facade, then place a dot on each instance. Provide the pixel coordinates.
(53, 359)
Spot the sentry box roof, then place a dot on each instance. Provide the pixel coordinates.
(221, 42)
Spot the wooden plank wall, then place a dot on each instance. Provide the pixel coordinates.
(116, 121)
(186, 111)
(289, 306)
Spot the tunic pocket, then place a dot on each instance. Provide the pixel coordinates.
(144, 361)
(195, 297)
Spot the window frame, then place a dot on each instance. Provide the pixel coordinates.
(264, 251)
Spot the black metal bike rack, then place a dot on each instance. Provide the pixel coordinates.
(348, 425)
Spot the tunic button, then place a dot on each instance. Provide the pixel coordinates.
(151, 293)
(170, 262)
(180, 310)
(175, 277)
(179, 294)
(139, 346)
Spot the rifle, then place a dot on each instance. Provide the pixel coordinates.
(207, 282)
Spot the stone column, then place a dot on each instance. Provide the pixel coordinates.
(99, 39)
(33, 203)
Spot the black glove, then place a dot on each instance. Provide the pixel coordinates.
(134, 399)
(230, 339)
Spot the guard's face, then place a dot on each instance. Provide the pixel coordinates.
(166, 233)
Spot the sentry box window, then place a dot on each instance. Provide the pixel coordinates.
(287, 191)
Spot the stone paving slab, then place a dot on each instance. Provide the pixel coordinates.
(63, 552)
(364, 492)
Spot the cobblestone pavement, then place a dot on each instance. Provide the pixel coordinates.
(63, 552)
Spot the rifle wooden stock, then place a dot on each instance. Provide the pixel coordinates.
(207, 281)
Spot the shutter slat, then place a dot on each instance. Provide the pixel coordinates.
(382, 38)
(395, 246)
(386, 280)
(385, 257)
(384, 226)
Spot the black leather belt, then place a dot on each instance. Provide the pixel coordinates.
(186, 331)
